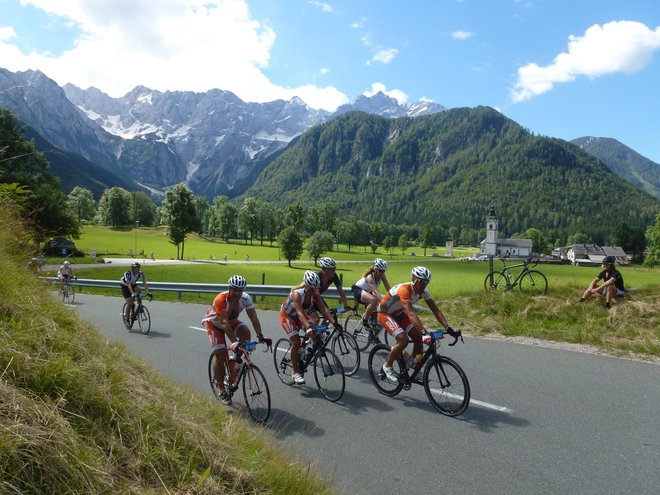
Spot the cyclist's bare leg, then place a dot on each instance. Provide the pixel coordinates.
(397, 349)
(129, 307)
(295, 345)
(416, 337)
(243, 335)
(371, 301)
(219, 369)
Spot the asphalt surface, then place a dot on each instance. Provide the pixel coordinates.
(541, 420)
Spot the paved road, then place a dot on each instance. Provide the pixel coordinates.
(541, 420)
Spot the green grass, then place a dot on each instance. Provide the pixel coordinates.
(79, 414)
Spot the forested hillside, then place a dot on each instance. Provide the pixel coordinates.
(445, 169)
(625, 162)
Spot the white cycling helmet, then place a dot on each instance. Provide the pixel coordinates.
(312, 279)
(421, 273)
(327, 263)
(67, 263)
(237, 282)
(380, 264)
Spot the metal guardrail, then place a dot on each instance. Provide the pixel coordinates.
(253, 290)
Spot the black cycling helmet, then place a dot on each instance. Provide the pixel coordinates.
(609, 260)
(135, 265)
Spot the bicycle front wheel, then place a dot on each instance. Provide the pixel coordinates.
(495, 281)
(69, 294)
(143, 319)
(377, 358)
(282, 361)
(256, 393)
(346, 348)
(446, 386)
(362, 336)
(534, 283)
(329, 375)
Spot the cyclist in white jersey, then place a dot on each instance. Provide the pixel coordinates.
(65, 272)
(366, 291)
(129, 286)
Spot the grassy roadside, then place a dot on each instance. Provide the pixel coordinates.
(79, 414)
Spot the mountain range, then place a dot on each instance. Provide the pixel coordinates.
(374, 157)
(213, 141)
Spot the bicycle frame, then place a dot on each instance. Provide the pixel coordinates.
(432, 350)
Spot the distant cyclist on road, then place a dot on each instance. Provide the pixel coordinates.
(295, 315)
(129, 286)
(398, 317)
(327, 276)
(222, 323)
(64, 273)
(365, 290)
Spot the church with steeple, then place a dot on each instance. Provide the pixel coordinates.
(492, 245)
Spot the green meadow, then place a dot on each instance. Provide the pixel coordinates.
(632, 326)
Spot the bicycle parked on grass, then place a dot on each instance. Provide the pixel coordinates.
(364, 337)
(255, 387)
(444, 381)
(344, 345)
(139, 313)
(531, 282)
(67, 293)
(328, 370)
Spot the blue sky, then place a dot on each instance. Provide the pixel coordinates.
(560, 68)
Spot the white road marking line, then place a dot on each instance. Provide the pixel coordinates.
(200, 329)
(487, 405)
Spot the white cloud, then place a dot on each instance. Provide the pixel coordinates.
(384, 55)
(192, 45)
(325, 7)
(7, 33)
(324, 70)
(618, 46)
(461, 35)
(397, 94)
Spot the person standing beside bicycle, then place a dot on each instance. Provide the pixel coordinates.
(612, 285)
(398, 317)
(222, 322)
(295, 316)
(365, 290)
(64, 273)
(327, 275)
(128, 283)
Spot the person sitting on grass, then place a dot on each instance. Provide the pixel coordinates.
(611, 286)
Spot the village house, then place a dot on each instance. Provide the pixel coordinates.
(591, 254)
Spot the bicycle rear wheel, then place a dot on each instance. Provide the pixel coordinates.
(282, 361)
(377, 358)
(329, 375)
(446, 386)
(534, 283)
(127, 323)
(256, 393)
(346, 348)
(498, 281)
(143, 319)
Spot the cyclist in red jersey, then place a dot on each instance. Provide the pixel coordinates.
(398, 317)
(295, 316)
(222, 320)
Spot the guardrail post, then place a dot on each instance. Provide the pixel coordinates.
(179, 295)
(263, 278)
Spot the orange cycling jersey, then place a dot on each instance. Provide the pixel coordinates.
(392, 301)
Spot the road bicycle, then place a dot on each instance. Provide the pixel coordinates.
(344, 345)
(444, 381)
(531, 282)
(314, 353)
(139, 313)
(67, 293)
(364, 337)
(248, 376)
